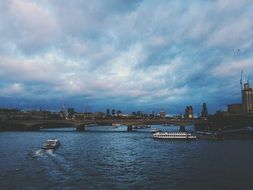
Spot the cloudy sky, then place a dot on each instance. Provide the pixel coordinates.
(124, 54)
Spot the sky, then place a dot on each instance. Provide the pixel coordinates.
(124, 54)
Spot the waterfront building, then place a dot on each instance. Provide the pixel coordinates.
(188, 112)
(247, 98)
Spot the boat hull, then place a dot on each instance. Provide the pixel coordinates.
(50, 147)
(51, 144)
(174, 135)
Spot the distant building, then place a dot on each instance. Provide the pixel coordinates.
(204, 112)
(113, 112)
(78, 116)
(234, 109)
(247, 99)
(100, 114)
(221, 113)
(62, 114)
(108, 113)
(71, 112)
(151, 115)
(176, 117)
(119, 112)
(6, 110)
(162, 114)
(188, 112)
(88, 115)
(246, 107)
(139, 114)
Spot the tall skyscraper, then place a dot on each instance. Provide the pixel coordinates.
(113, 112)
(247, 99)
(108, 113)
(188, 112)
(204, 112)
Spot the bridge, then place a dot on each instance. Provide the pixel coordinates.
(80, 125)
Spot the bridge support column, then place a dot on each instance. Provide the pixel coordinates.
(80, 128)
(182, 128)
(129, 128)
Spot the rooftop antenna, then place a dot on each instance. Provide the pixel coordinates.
(241, 78)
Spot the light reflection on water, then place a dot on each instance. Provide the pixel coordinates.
(111, 158)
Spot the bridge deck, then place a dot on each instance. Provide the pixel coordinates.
(74, 123)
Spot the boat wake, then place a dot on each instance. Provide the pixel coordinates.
(38, 153)
(42, 153)
(55, 164)
(50, 152)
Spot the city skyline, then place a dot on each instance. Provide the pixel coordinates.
(127, 55)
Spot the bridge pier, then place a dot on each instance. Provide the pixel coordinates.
(129, 128)
(182, 128)
(80, 128)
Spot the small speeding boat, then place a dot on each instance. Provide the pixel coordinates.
(51, 144)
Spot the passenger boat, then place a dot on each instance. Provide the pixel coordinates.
(51, 144)
(174, 135)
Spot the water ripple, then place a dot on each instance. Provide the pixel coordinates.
(98, 160)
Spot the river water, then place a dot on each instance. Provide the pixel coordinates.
(107, 158)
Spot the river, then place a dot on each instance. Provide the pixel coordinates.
(109, 158)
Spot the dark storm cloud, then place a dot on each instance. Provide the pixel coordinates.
(151, 54)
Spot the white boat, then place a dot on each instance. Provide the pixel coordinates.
(154, 130)
(174, 135)
(51, 144)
